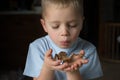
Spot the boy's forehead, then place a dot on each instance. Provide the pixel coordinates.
(63, 21)
(63, 10)
(56, 18)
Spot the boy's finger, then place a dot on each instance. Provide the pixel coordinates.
(84, 61)
(61, 67)
(82, 52)
(49, 53)
(56, 63)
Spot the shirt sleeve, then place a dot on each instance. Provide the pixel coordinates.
(93, 67)
(34, 61)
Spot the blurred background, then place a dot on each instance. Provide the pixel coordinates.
(20, 25)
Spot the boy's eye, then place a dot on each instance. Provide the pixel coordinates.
(73, 25)
(55, 27)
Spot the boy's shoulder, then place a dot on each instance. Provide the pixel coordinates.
(41, 42)
(84, 43)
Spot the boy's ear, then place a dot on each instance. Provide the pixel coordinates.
(43, 25)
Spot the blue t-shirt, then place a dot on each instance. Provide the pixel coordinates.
(38, 48)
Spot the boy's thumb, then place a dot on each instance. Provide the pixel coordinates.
(49, 53)
(82, 53)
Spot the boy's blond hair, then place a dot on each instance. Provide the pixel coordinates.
(76, 4)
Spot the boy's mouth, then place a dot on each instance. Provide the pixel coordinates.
(65, 43)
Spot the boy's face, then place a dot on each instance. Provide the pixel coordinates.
(63, 25)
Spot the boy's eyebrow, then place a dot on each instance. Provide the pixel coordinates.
(59, 21)
(73, 20)
(54, 22)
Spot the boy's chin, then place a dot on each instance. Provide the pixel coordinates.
(64, 47)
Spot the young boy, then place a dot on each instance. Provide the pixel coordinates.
(62, 20)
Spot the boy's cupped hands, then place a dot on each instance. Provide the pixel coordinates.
(75, 63)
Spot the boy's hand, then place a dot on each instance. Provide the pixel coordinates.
(51, 64)
(76, 62)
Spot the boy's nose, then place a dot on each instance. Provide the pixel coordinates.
(65, 31)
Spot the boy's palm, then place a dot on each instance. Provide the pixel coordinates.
(52, 64)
